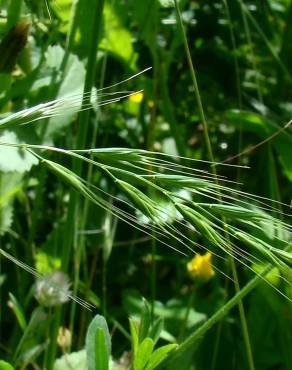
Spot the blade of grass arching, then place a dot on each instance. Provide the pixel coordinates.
(211, 158)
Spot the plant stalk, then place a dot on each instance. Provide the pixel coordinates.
(218, 315)
(211, 158)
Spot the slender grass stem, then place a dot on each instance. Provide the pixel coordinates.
(252, 54)
(211, 158)
(104, 287)
(169, 112)
(216, 345)
(188, 310)
(153, 274)
(71, 35)
(196, 86)
(242, 316)
(83, 121)
(237, 77)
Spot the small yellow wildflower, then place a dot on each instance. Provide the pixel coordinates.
(200, 267)
(136, 98)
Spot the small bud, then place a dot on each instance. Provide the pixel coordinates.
(12, 44)
(52, 289)
(64, 338)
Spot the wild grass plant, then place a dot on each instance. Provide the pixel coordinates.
(73, 195)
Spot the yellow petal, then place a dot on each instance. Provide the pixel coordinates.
(136, 98)
(200, 267)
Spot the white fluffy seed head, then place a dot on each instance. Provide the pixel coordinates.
(52, 289)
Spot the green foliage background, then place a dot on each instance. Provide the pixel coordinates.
(242, 55)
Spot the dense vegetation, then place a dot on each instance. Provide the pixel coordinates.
(145, 173)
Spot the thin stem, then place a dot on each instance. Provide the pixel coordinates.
(153, 274)
(211, 158)
(195, 83)
(252, 55)
(83, 121)
(186, 318)
(216, 345)
(242, 316)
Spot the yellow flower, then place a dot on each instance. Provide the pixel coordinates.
(200, 267)
(136, 98)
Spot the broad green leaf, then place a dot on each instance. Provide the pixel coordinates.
(158, 355)
(45, 263)
(143, 354)
(72, 85)
(117, 40)
(98, 323)
(5, 365)
(62, 10)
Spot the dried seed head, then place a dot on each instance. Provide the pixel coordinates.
(52, 289)
(12, 44)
